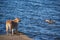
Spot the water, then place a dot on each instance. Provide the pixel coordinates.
(32, 14)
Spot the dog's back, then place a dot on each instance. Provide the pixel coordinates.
(11, 23)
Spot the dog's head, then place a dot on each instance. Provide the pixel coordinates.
(17, 20)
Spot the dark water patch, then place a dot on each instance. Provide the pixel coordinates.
(57, 38)
(2, 22)
(1, 15)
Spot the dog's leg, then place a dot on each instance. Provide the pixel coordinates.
(16, 29)
(7, 28)
(12, 31)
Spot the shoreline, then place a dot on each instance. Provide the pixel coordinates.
(19, 36)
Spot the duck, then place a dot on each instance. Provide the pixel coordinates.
(49, 21)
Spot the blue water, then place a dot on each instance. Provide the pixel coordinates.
(32, 14)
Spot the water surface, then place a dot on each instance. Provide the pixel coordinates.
(32, 14)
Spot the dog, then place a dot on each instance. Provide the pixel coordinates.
(11, 25)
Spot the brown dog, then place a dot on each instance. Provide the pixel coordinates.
(11, 25)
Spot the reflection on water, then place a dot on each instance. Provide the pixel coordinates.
(32, 14)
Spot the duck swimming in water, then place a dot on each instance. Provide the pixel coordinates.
(49, 21)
